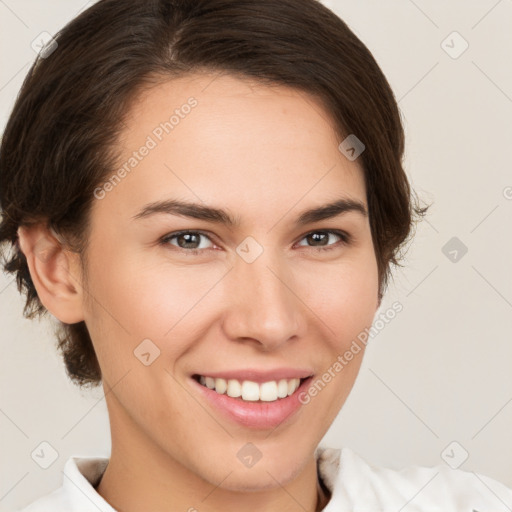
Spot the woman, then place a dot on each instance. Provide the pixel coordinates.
(208, 195)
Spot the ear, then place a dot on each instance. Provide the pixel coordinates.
(55, 272)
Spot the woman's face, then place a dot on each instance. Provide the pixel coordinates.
(277, 295)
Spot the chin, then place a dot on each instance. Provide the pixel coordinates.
(274, 468)
(252, 480)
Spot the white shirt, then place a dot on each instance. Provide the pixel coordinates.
(355, 485)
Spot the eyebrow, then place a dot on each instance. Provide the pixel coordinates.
(220, 216)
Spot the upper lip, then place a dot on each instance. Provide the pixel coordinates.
(259, 376)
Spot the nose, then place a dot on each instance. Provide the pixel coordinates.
(263, 304)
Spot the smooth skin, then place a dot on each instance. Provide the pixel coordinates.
(264, 154)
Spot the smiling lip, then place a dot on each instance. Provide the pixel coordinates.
(257, 414)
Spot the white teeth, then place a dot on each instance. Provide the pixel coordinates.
(268, 391)
(293, 384)
(220, 386)
(252, 391)
(234, 388)
(282, 388)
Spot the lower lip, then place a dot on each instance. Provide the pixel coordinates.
(259, 415)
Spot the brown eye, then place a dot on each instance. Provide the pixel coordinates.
(187, 240)
(320, 239)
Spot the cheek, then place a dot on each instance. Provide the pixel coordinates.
(345, 298)
(132, 301)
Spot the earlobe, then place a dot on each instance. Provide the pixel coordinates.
(54, 271)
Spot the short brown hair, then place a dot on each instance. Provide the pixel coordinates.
(57, 145)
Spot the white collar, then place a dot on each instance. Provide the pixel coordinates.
(354, 484)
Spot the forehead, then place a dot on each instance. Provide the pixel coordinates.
(220, 138)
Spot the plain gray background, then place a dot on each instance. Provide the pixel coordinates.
(437, 379)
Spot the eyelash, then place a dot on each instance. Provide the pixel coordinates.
(346, 239)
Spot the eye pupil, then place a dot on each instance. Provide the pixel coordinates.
(187, 237)
(318, 236)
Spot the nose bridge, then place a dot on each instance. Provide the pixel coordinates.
(265, 308)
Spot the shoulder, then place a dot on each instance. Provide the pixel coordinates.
(356, 483)
(55, 501)
(77, 492)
